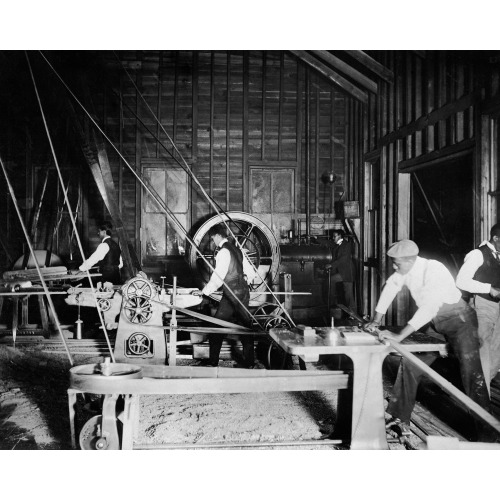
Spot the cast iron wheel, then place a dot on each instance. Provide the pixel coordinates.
(90, 435)
(138, 310)
(257, 240)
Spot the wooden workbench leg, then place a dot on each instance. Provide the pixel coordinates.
(71, 408)
(135, 414)
(15, 316)
(24, 312)
(368, 416)
(43, 314)
(128, 423)
(172, 361)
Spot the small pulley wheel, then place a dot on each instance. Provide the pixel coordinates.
(91, 438)
(104, 304)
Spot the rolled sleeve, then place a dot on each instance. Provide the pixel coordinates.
(392, 287)
(222, 261)
(96, 257)
(465, 278)
(425, 313)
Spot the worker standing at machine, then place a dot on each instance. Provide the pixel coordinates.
(440, 302)
(480, 275)
(108, 255)
(233, 271)
(341, 269)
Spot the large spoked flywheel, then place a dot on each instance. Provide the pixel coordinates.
(255, 237)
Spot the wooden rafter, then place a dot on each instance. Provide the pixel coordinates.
(372, 65)
(332, 75)
(345, 68)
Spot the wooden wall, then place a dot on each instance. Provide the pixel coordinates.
(226, 111)
(430, 112)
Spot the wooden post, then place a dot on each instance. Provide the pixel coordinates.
(286, 286)
(173, 328)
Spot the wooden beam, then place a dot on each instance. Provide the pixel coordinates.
(331, 75)
(449, 152)
(372, 65)
(430, 119)
(348, 70)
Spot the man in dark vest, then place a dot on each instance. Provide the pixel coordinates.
(108, 255)
(440, 303)
(342, 271)
(480, 275)
(232, 270)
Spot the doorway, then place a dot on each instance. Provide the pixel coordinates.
(442, 210)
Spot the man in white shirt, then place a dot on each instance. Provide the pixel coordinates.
(233, 271)
(108, 255)
(480, 275)
(439, 302)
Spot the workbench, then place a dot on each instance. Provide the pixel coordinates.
(129, 382)
(367, 354)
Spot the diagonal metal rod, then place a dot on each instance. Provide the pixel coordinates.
(149, 189)
(434, 216)
(28, 241)
(220, 212)
(193, 176)
(70, 211)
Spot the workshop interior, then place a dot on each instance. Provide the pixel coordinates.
(291, 154)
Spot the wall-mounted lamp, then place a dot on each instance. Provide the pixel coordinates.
(330, 178)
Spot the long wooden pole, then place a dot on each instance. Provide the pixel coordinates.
(446, 386)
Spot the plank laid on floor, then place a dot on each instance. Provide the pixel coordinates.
(431, 425)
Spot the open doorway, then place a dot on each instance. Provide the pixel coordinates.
(442, 215)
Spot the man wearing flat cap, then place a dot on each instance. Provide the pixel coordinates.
(440, 303)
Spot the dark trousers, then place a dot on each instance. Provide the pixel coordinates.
(458, 323)
(231, 310)
(342, 291)
(111, 274)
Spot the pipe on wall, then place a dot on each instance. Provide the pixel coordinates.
(307, 165)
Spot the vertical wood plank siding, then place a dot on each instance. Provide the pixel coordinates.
(228, 112)
(429, 108)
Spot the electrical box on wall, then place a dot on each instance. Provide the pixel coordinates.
(347, 209)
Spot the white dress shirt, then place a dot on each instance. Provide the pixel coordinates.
(222, 261)
(472, 262)
(431, 285)
(98, 255)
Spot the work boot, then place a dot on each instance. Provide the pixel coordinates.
(397, 428)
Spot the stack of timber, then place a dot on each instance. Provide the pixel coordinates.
(48, 273)
(423, 423)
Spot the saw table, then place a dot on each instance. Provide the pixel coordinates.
(367, 355)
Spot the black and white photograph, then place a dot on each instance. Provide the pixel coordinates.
(280, 255)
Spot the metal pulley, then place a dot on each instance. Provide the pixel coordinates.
(93, 438)
(102, 432)
(255, 239)
(137, 295)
